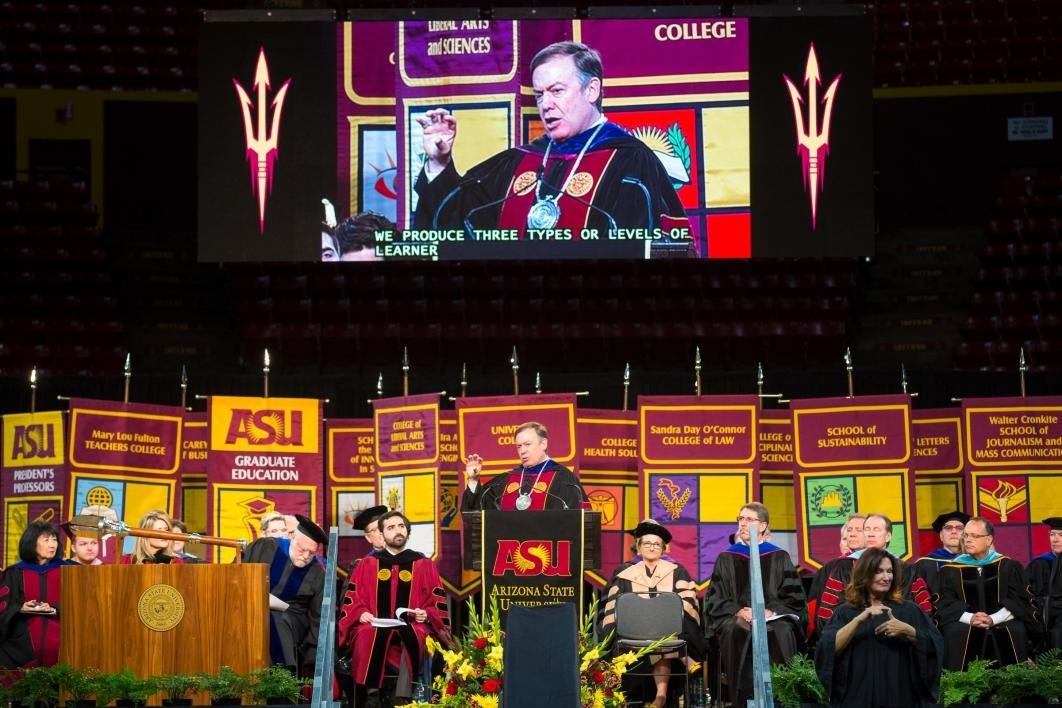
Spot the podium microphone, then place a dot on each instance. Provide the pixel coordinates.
(564, 504)
(481, 207)
(634, 181)
(450, 195)
(608, 217)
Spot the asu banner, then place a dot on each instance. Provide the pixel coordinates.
(33, 475)
(458, 581)
(265, 456)
(698, 467)
(938, 463)
(1014, 461)
(852, 454)
(608, 471)
(124, 457)
(351, 467)
(775, 449)
(406, 431)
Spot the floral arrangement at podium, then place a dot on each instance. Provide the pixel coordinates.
(474, 674)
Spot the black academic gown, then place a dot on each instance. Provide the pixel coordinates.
(730, 591)
(1045, 576)
(965, 587)
(927, 568)
(511, 175)
(876, 671)
(557, 488)
(303, 590)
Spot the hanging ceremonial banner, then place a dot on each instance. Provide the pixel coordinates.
(192, 503)
(937, 461)
(698, 467)
(458, 581)
(608, 471)
(1014, 461)
(124, 459)
(351, 462)
(33, 476)
(776, 476)
(852, 454)
(406, 430)
(265, 456)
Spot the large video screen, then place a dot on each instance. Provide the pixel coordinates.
(473, 139)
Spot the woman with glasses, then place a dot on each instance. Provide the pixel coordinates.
(879, 649)
(29, 600)
(650, 572)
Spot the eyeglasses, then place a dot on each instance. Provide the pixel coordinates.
(954, 527)
(652, 544)
(975, 535)
(748, 519)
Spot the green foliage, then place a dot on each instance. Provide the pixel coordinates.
(1017, 682)
(225, 684)
(1050, 664)
(275, 683)
(78, 685)
(124, 686)
(38, 685)
(797, 682)
(968, 686)
(177, 686)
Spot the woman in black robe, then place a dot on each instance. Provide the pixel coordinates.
(648, 573)
(879, 649)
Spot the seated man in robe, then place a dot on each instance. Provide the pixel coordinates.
(394, 601)
(729, 603)
(1045, 574)
(985, 608)
(296, 587)
(949, 526)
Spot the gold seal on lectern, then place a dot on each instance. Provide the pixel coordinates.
(161, 607)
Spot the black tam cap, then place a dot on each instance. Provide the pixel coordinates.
(650, 526)
(1055, 522)
(938, 524)
(367, 516)
(309, 528)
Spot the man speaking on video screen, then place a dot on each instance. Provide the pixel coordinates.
(584, 173)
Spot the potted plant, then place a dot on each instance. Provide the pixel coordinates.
(277, 686)
(177, 688)
(125, 688)
(797, 683)
(38, 687)
(226, 687)
(969, 686)
(78, 686)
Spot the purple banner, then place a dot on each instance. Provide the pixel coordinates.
(673, 433)
(834, 431)
(452, 52)
(407, 430)
(351, 479)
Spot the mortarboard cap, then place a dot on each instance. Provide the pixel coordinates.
(1055, 522)
(309, 528)
(366, 516)
(650, 526)
(938, 523)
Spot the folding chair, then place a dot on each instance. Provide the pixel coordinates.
(641, 619)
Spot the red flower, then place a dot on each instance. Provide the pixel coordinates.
(599, 677)
(451, 689)
(608, 693)
(480, 643)
(491, 685)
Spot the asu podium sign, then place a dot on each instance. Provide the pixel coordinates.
(532, 558)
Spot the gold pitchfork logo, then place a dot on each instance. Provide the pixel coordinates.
(1006, 498)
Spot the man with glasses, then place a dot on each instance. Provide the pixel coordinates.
(985, 608)
(729, 603)
(949, 526)
(296, 588)
(1045, 572)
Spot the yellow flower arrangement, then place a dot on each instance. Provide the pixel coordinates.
(473, 674)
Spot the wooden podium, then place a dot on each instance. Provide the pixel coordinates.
(165, 619)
